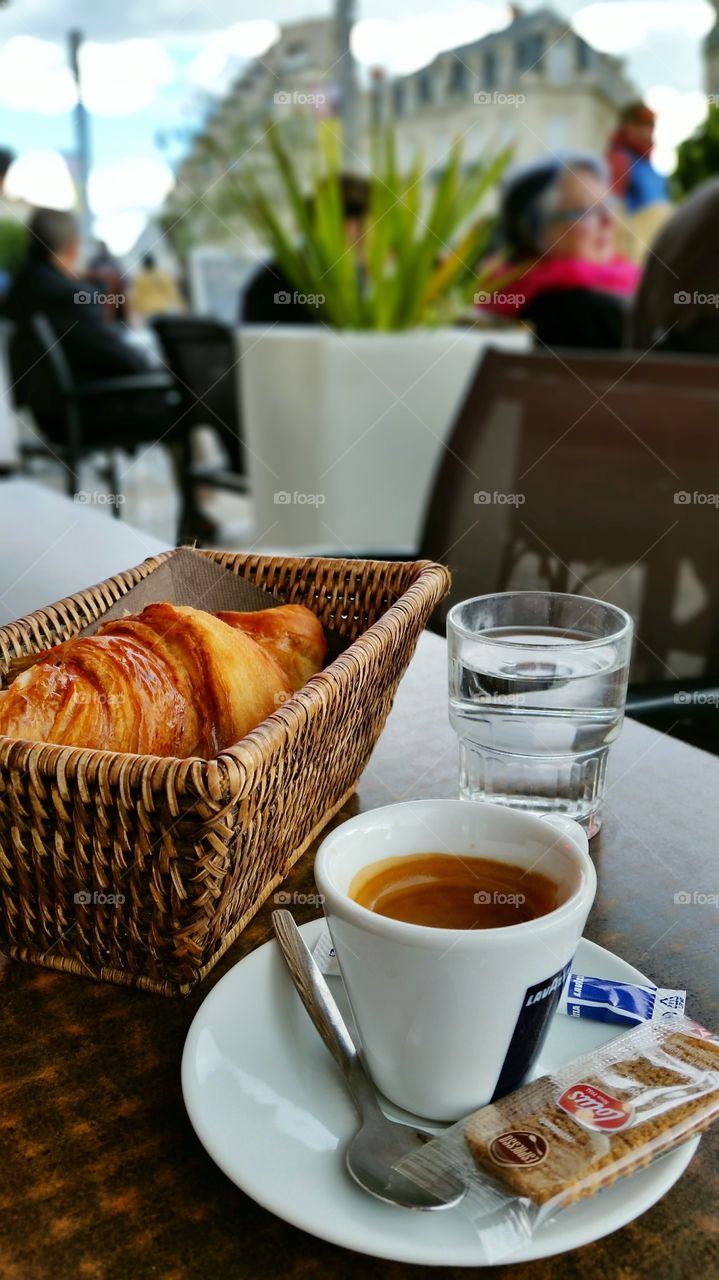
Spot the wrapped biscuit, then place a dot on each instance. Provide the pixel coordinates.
(570, 1134)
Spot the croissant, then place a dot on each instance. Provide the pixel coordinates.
(171, 681)
(291, 634)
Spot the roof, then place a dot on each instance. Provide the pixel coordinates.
(524, 24)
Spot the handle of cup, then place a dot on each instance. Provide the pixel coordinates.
(568, 827)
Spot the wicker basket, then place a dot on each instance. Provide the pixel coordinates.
(142, 871)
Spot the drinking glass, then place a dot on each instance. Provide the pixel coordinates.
(537, 686)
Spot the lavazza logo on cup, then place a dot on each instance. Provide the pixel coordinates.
(539, 1004)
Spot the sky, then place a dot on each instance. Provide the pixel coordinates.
(152, 70)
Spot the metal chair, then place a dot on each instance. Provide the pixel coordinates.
(202, 355)
(80, 419)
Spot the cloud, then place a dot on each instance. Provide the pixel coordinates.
(117, 79)
(618, 27)
(41, 178)
(121, 78)
(678, 115)
(223, 53)
(34, 76)
(123, 194)
(120, 231)
(162, 19)
(406, 44)
(137, 182)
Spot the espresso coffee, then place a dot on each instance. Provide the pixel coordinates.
(446, 891)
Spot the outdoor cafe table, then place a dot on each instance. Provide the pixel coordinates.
(102, 1175)
(51, 546)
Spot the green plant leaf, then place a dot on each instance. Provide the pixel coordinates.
(416, 262)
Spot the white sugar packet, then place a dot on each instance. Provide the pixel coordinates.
(323, 954)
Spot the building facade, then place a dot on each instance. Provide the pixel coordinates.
(534, 86)
(711, 59)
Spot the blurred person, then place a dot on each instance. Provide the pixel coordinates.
(103, 259)
(633, 176)
(637, 184)
(270, 297)
(677, 307)
(154, 292)
(559, 269)
(13, 234)
(105, 270)
(48, 282)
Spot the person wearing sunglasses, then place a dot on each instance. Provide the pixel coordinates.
(558, 268)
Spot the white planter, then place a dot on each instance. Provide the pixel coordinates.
(344, 429)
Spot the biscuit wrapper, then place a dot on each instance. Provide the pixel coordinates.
(570, 1134)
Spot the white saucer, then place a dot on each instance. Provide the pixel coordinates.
(269, 1105)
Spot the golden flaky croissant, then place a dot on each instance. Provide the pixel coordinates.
(291, 634)
(169, 681)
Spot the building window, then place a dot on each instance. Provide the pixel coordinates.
(529, 52)
(557, 131)
(585, 52)
(458, 75)
(490, 70)
(424, 87)
(297, 55)
(559, 61)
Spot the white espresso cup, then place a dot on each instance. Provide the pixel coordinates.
(450, 1018)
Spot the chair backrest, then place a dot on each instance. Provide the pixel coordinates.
(596, 475)
(42, 379)
(203, 356)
